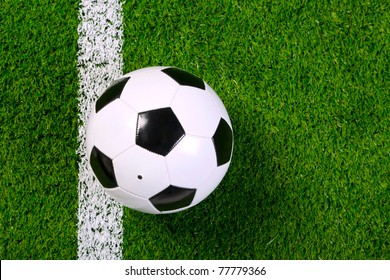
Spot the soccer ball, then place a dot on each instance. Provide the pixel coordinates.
(159, 140)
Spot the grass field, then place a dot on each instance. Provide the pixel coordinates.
(38, 117)
(306, 85)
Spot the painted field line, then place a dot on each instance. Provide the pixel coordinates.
(99, 63)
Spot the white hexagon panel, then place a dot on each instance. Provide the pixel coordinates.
(218, 102)
(141, 172)
(196, 111)
(192, 161)
(149, 89)
(114, 128)
(207, 187)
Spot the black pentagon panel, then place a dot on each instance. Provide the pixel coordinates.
(173, 198)
(159, 130)
(113, 92)
(103, 168)
(223, 142)
(184, 78)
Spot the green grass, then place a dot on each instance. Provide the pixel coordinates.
(306, 85)
(38, 128)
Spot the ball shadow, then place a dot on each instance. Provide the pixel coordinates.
(235, 221)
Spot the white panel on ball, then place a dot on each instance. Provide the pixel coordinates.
(209, 185)
(114, 128)
(149, 89)
(141, 172)
(219, 104)
(191, 162)
(196, 111)
(143, 70)
(133, 201)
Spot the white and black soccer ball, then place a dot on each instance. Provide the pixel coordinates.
(159, 140)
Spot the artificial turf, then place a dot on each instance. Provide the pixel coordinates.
(38, 129)
(307, 88)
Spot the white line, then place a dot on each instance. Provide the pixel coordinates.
(99, 63)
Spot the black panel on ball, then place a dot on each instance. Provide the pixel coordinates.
(113, 92)
(159, 130)
(184, 78)
(173, 198)
(223, 142)
(103, 168)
